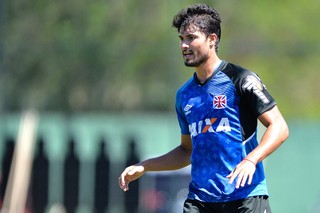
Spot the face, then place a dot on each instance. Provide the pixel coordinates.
(195, 46)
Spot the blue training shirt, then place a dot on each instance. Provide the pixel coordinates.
(221, 115)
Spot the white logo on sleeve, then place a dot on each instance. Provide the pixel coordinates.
(253, 83)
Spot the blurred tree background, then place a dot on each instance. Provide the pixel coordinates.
(110, 55)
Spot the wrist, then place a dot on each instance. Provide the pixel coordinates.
(143, 165)
(251, 161)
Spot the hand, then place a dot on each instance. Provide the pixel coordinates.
(131, 173)
(244, 171)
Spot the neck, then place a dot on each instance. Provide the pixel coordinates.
(205, 70)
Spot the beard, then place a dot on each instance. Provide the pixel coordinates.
(195, 62)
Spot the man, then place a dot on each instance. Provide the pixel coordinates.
(218, 109)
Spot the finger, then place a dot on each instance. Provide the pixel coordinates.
(250, 175)
(233, 176)
(123, 182)
(229, 175)
(244, 180)
(126, 185)
(250, 179)
(240, 177)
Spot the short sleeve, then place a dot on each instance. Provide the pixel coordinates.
(183, 123)
(255, 93)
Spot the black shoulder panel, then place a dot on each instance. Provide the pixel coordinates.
(253, 95)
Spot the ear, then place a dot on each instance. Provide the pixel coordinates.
(212, 39)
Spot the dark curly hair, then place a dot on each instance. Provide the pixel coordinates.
(202, 16)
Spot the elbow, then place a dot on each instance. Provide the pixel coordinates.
(285, 132)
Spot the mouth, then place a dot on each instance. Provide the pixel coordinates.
(187, 54)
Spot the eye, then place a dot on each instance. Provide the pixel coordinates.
(190, 37)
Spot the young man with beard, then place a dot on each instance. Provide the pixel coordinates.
(218, 109)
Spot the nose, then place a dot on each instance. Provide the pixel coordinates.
(184, 45)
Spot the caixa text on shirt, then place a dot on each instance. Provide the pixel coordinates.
(206, 125)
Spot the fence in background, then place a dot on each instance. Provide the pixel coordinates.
(161, 192)
(77, 161)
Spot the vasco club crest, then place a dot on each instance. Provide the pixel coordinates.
(219, 101)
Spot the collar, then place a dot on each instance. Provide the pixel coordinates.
(218, 66)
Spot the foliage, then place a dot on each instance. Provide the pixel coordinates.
(115, 56)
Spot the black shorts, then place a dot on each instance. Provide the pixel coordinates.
(256, 204)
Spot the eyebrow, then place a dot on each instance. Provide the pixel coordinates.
(188, 34)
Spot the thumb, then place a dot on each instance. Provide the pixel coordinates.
(230, 175)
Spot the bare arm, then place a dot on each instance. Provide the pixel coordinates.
(177, 158)
(276, 133)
